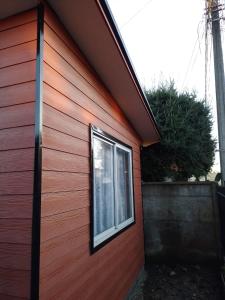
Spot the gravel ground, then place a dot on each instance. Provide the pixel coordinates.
(180, 282)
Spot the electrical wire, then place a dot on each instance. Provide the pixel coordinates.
(210, 67)
(208, 71)
(135, 14)
(206, 50)
(194, 55)
(190, 62)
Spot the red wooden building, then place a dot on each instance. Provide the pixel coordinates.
(72, 119)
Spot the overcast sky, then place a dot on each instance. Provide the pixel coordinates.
(166, 40)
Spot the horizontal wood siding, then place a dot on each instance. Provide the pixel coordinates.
(73, 98)
(18, 40)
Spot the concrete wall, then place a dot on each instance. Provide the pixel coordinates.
(181, 222)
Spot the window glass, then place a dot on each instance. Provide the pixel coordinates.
(113, 207)
(103, 186)
(123, 185)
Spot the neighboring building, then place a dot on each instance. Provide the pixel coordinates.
(72, 120)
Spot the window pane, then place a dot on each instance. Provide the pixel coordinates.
(123, 185)
(103, 186)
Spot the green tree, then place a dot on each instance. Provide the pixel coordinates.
(187, 147)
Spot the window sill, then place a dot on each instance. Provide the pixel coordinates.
(110, 234)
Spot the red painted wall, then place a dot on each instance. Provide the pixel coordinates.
(73, 98)
(18, 36)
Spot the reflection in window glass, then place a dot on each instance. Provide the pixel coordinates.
(103, 187)
(123, 185)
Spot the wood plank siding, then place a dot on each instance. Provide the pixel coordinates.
(74, 97)
(18, 42)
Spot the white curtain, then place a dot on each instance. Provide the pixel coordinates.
(123, 185)
(103, 186)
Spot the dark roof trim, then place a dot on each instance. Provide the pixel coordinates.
(108, 13)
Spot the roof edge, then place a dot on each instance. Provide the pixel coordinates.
(107, 12)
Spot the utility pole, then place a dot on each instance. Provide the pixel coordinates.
(214, 8)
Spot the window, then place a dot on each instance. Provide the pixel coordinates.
(113, 207)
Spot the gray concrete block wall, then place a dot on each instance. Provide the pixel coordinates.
(181, 222)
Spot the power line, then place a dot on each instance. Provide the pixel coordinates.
(209, 68)
(206, 52)
(194, 55)
(135, 14)
(190, 61)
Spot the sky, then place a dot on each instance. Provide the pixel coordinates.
(166, 40)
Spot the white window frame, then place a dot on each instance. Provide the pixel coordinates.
(109, 233)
